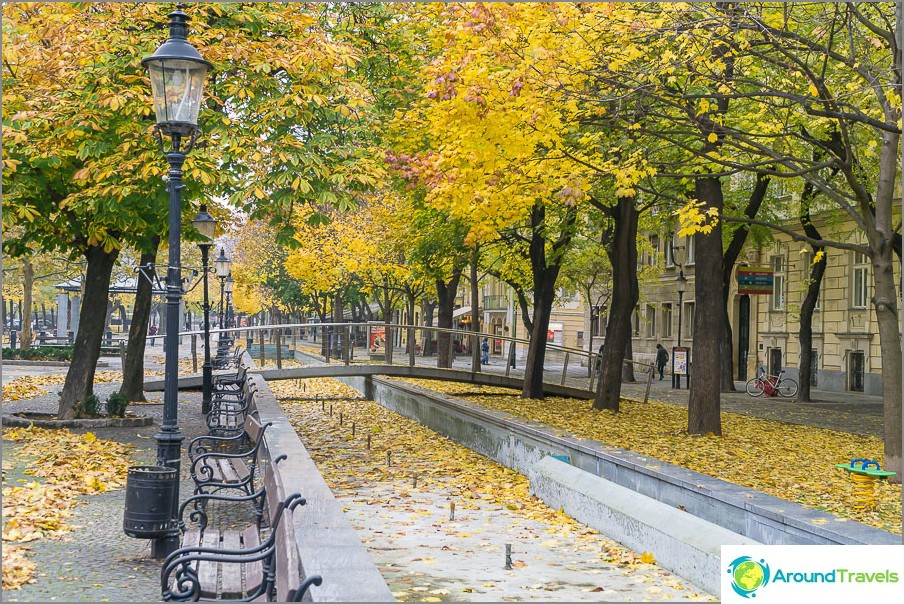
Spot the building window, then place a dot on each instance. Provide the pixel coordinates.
(653, 256)
(667, 320)
(688, 323)
(778, 283)
(635, 331)
(691, 250)
(860, 276)
(669, 249)
(651, 321)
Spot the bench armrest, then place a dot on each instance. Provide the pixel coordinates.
(199, 503)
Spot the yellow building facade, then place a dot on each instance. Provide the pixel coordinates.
(765, 327)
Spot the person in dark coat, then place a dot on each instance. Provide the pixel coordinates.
(662, 357)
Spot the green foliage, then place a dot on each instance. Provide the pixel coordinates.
(39, 353)
(87, 407)
(116, 405)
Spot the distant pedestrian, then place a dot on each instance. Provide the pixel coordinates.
(599, 359)
(662, 357)
(484, 352)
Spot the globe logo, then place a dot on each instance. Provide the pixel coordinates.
(748, 575)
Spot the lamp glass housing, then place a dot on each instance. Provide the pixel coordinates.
(222, 265)
(177, 86)
(205, 224)
(227, 287)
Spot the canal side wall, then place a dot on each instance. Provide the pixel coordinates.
(521, 444)
(327, 544)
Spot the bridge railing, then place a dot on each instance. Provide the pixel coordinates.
(413, 345)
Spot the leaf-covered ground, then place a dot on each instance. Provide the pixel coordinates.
(31, 386)
(789, 461)
(403, 505)
(68, 466)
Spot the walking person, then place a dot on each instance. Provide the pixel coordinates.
(662, 357)
(484, 352)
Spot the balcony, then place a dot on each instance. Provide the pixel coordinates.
(496, 302)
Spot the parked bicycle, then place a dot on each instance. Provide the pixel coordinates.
(771, 385)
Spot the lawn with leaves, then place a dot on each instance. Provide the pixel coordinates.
(399, 490)
(64, 467)
(793, 462)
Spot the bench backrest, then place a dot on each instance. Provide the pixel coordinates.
(253, 429)
(288, 562)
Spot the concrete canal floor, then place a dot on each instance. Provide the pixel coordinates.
(426, 555)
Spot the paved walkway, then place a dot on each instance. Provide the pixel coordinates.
(97, 562)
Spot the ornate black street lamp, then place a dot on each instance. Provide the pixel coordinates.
(227, 287)
(680, 287)
(177, 74)
(222, 265)
(205, 224)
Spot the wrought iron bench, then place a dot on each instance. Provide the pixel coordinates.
(227, 462)
(244, 564)
(230, 382)
(223, 360)
(228, 410)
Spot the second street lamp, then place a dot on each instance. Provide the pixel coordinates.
(177, 73)
(228, 285)
(205, 224)
(680, 287)
(222, 266)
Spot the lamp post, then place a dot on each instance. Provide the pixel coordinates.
(205, 224)
(222, 266)
(680, 287)
(177, 74)
(227, 287)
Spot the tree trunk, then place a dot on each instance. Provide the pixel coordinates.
(817, 270)
(338, 317)
(428, 307)
(885, 302)
(445, 300)
(80, 378)
(28, 284)
(805, 369)
(627, 371)
(625, 293)
(545, 265)
(544, 294)
(133, 371)
(475, 311)
(732, 252)
(703, 413)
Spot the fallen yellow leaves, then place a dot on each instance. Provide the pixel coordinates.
(71, 465)
(394, 464)
(17, 568)
(752, 452)
(30, 386)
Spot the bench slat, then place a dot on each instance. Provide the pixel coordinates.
(232, 573)
(254, 571)
(207, 570)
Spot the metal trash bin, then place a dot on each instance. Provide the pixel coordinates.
(149, 501)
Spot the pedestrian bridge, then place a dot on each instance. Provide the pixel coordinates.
(355, 349)
(417, 371)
